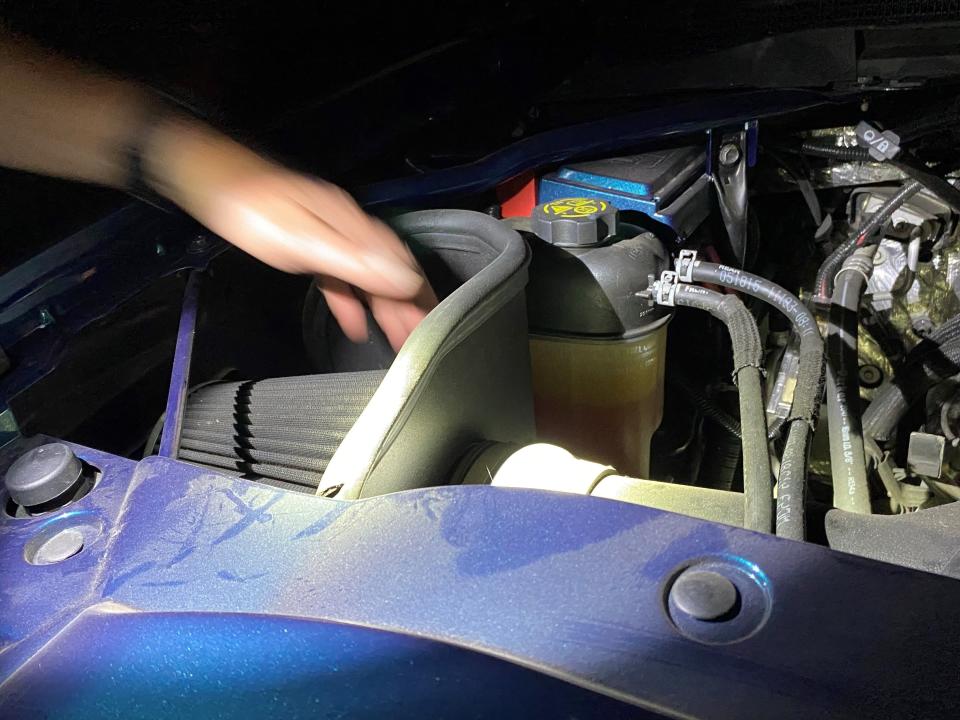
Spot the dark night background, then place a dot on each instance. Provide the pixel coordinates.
(360, 91)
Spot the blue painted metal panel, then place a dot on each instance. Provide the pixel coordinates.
(571, 585)
(119, 665)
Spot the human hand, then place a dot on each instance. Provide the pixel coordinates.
(294, 223)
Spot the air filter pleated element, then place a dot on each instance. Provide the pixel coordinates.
(281, 431)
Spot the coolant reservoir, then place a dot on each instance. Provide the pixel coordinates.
(597, 350)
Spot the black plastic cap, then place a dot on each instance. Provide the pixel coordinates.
(703, 594)
(574, 222)
(592, 291)
(42, 474)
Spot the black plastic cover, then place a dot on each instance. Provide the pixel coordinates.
(43, 474)
(592, 292)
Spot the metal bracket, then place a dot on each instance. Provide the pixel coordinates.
(730, 181)
(180, 373)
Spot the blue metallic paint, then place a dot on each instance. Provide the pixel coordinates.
(241, 666)
(573, 586)
(180, 373)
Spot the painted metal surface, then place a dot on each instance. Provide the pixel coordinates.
(573, 586)
(609, 136)
(682, 216)
(51, 297)
(180, 372)
(114, 664)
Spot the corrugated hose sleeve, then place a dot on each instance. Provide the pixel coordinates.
(823, 285)
(747, 374)
(686, 386)
(906, 162)
(935, 359)
(791, 489)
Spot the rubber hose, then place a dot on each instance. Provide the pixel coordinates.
(846, 154)
(847, 458)
(935, 183)
(906, 163)
(747, 356)
(935, 359)
(829, 268)
(791, 492)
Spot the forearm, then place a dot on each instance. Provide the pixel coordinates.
(59, 118)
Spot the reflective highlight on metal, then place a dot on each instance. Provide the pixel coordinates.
(111, 662)
(573, 586)
(180, 373)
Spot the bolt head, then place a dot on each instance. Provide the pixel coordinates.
(198, 244)
(729, 154)
(65, 544)
(46, 318)
(870, 376)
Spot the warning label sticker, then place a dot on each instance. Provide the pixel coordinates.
(574, 207)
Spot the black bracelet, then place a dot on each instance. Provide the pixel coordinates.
(161, 109)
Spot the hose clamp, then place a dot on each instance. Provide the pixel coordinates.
(861, 261)
(866, 278)
(665, 289)
(684, 265)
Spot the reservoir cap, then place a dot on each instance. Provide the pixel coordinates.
(575, 222)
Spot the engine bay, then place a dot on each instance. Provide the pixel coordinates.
(756, 333)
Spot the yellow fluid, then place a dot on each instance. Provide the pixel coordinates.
(601, 400)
